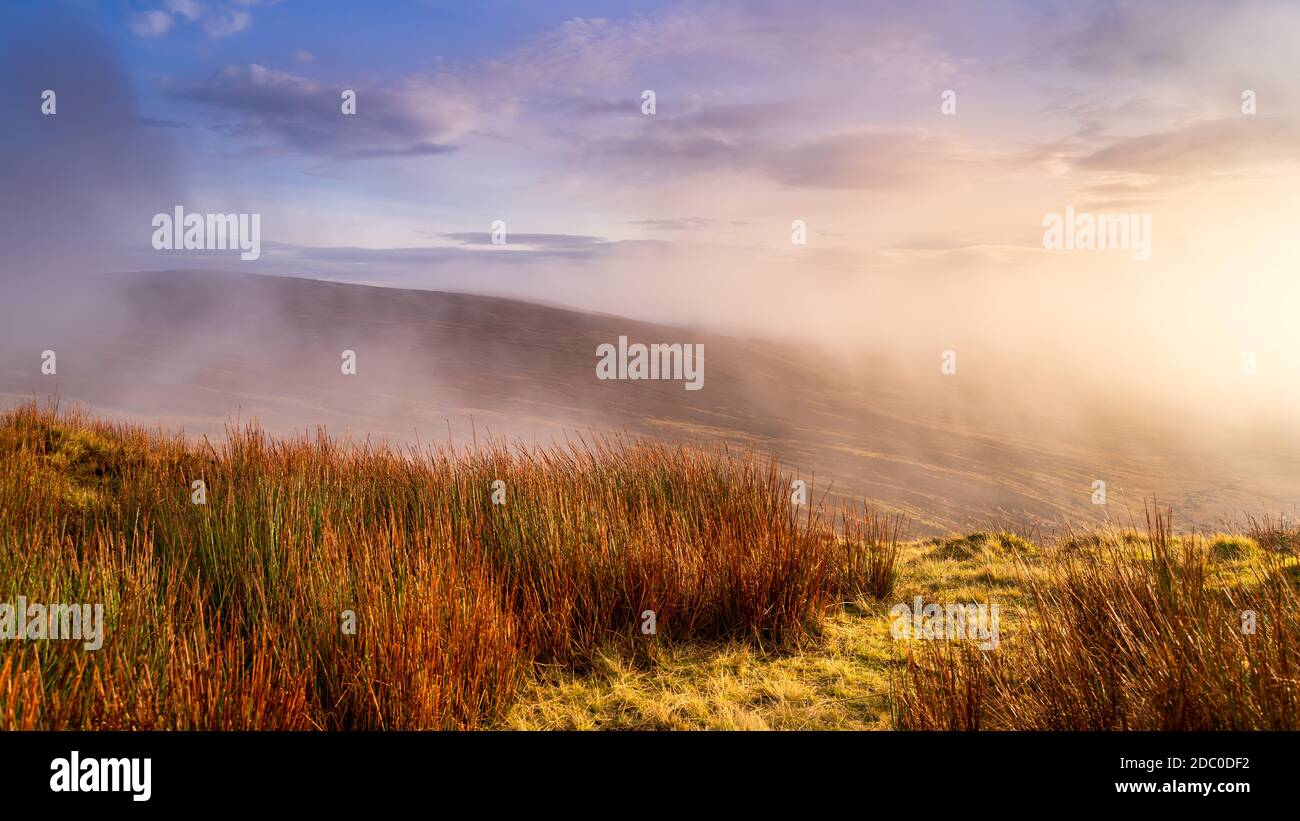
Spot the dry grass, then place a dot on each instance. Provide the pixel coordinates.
(839, 682)
(1127, 633)
(856, 676)
(528, 614)
(229, 614)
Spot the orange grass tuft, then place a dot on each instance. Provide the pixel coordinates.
(229, 614)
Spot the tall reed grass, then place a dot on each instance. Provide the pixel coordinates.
(231, 614)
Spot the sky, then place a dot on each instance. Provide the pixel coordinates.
(923, 226)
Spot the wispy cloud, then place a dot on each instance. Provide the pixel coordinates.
(865, 160)
(218, 19)
(1219, 146)
(675, 223)
(225, 23)
(535, 240)
(151, 23)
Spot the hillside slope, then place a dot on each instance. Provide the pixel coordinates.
(201, 349)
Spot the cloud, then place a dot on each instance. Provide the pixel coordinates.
(945, 242)
(151, 23)
(1128, 38)
(153, 122)
(864, 160)
(305, 115)
(1139, 64)
(675, 224)
(732, 137)
(423, 266)
(653, 155)
(738, 118)
(594, 106)
(217, 20)
(570, 98)
(225, 24)
(412, 150)
(1206, 147)
(537, 240)
(189, 9)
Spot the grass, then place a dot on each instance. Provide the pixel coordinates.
(465, 572)
(840, 680)
(530, 614)
(1047, 673)
(1154, 633)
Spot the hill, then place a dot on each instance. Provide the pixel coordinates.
(200, 349)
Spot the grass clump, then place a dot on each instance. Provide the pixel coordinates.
(983, 544)
(870, 549)
(1117, 641)
(1280, 536)
(233, 613)
(1233, 547)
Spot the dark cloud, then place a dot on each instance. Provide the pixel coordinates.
(306, 115)
(743, 118)
(151, 122)
(415, 150)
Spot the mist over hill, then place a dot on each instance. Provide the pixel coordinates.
(203, 349)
